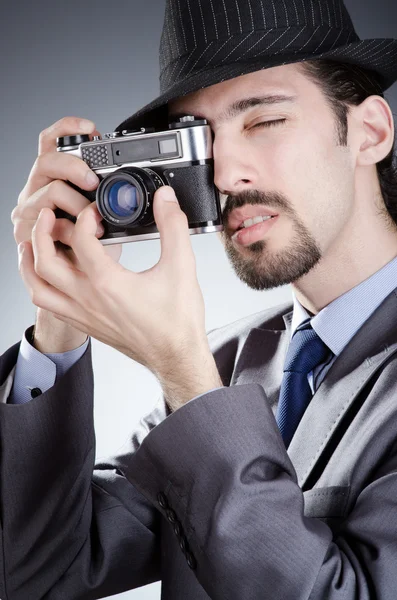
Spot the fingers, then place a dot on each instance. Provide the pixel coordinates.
(63, 231)
(54, 282)
(51, 165)
(47, 189)
(65, 126)
(56, 194)
(92, 257)
(171, 221)
(43, 294)
(50, 267)
(57, 165)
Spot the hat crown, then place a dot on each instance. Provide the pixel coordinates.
(193, 27)
(206, 42)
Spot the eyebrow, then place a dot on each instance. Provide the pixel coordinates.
(241, 106)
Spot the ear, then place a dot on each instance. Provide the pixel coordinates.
(377, 130)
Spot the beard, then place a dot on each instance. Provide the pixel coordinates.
(259, 267)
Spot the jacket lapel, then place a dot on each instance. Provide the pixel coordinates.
(373, 345)
(262, 358)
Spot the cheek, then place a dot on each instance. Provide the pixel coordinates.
(327, 194)
(291, 167)
(317, 178)
(287, 160)
(317, 167)
(314, 174)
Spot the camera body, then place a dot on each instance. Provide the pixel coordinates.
(132, 165)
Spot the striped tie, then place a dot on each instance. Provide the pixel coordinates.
(305, 352)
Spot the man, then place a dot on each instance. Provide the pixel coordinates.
(215, 496)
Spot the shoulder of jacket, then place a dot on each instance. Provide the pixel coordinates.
(271, 318)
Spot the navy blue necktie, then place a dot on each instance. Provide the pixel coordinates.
(305, 352)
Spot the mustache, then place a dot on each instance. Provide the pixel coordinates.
(273, 200)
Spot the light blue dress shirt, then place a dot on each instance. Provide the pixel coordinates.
(335, 324)
(338, 322)
(37, 370)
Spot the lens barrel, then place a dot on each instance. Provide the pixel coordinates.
(125, 197)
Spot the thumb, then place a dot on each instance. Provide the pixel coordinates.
(172, 224)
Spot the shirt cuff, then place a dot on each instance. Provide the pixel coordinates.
(39, 372)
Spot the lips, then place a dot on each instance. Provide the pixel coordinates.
(239, 215)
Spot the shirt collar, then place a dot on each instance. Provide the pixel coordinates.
(337, 323)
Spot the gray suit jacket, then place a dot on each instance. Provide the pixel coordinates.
(207, 499)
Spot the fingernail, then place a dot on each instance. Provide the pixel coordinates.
(86, 125)
(21, 247)
(91, 179)
(100, 230)
(168, 194)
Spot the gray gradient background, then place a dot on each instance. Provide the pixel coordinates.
(99, 60)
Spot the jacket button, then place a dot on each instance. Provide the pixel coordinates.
(162, 500)
(177, 528)
(191, 561)
(35, 392)
(171, 516)
(183, 545)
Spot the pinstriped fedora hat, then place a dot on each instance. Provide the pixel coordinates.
(205, 42)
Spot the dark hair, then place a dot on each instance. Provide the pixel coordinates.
(346, 85)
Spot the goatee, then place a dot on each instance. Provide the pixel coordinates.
(260, 268)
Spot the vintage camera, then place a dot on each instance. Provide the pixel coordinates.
(132, 165)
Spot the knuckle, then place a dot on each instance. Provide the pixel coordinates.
(40, 267)
(15, 214)
(64, 231)
(68, 124)
(183, 218)
(63, 122)
(56, 187)
(178, 220)
(21, 199)
(38, 165)
(18, 232)
(46, 134)
(43, 135)
(37, 297)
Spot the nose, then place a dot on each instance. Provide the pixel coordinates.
(234, 166)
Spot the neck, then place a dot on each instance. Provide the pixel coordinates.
(365, 245)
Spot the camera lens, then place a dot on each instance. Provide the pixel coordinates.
(125, 196)
(123, 199)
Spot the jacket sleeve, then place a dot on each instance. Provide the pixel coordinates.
(220, 465)
(67, 533)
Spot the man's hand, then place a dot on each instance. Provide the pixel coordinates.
(155, 317)
(46, 187)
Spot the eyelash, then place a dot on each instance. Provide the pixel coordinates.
(269, 123)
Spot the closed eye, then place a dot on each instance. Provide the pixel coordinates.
(268, 123)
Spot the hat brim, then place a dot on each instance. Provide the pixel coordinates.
(377, 55)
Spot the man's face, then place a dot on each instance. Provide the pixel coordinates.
(277, 158)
